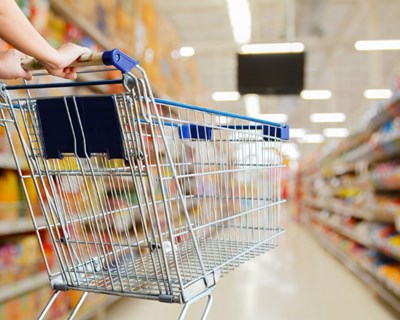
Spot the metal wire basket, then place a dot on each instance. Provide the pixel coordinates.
(144, 197)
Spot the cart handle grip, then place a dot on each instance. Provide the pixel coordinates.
(114, 57)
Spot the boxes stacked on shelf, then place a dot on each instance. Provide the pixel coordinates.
(361, 259)
(20, 257)
(353, 196)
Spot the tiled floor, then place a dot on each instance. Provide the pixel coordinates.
(296, 281)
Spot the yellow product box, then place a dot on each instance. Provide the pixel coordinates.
(9, 185)
(9, 195)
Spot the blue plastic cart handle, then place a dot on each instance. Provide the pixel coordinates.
(120, 60)
(200, 132)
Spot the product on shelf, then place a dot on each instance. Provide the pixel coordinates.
(353, 198)
(9, 195)
(19, 257)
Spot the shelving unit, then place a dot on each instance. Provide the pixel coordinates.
(19, 226)
(360, 268)
(351, 205)
(17, 288)
(66, 11)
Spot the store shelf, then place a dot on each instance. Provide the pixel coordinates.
(388, 180)
(381, 151)
(362, 212)
(20, 287)
(360, 270)
(34, 282)
(65, 10)
(381, 245)
(361, 137)
(18, 226)
(384, 246)
(7, 161)
(347, 232)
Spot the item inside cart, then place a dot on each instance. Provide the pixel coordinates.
(144, 197)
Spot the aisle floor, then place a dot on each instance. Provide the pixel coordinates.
(298, 281)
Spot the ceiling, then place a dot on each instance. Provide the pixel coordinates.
(328, 29)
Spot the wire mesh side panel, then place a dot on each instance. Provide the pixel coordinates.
(101, 215)
(229, 170)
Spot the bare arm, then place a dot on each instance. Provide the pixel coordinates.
(16, 30)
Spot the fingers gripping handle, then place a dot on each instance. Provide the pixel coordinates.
(114, 57)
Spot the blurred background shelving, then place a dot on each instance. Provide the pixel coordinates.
(343, 189)
(351, 202)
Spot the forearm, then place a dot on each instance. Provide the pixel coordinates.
(18, 32)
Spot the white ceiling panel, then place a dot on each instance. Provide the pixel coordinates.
(328, 28)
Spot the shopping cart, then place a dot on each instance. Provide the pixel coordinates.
(143, 197)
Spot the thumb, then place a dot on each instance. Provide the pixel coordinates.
(24, 74)
(27, 75)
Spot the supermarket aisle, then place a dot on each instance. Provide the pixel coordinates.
(297, 281)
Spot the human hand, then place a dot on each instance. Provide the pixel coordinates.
(67, 53)
(10, 65)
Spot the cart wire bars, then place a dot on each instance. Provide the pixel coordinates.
(143, 197)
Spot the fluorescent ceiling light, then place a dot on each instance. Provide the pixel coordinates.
(186, 51)
(272, 48)
(222, 119)
(378, 94)
(335, 132)
(226, 96)
(240, 17)
(274, 117)
(312, 138)
(297, 133)
(252, 104)
(327, 117)
(316, 94)
(291, 150)
(377, 45)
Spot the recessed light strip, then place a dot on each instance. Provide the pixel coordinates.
(327, 117)
(371, 45)
(297, 132)
(312, 138)
(316, 94)
(240, 17)
(226, 96)
(378, 94)
(336, 132)
(186, 51)
(272, 48)
(252, 104)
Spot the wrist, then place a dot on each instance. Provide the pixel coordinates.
(52, 60)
